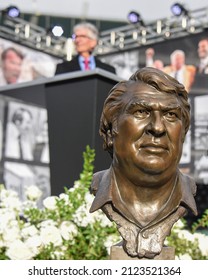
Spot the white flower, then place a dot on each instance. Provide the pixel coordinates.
(110, 241)
(33, 193)
(10, 234)
(104, 221)
(89, 198)
(77, 185)
(2, 244)
(29, 230)
(183, 257)
(6, 217)
(34, 243)
(66, 200)
(203, 242)
(50, 202)
(48, 223)
(11, 202)
(29, 204)
(178, 225)
(4, 193)
(59, 252)
(64, 196)
(186, 235)
(18, 250)
(51, 234)
(68, 230)
(82, 217)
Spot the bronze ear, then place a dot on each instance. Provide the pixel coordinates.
(109, 138)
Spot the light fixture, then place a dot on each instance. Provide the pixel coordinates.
(134, 17)
(178, 9)
(159, 26)
(167, 32)
(56, 31)
(12, 11)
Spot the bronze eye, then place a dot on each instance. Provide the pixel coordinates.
(171, 116)
(141, 113)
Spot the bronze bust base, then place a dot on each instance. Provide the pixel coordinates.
(117, 253)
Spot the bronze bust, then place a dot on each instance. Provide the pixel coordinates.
(143, 125)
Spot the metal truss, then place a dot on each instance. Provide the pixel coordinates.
(114, 40)
(33, 36)
(138, 35)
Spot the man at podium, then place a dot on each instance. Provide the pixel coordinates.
(85, 39)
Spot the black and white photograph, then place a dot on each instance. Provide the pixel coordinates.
(20, 176)
(2, 107)
(41, 146)
(125, 63)
(26, 133)
(201, 139)
(20, 64)
(201, 122)
(186, 154)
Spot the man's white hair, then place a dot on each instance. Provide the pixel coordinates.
(92, 29)
(176, 52)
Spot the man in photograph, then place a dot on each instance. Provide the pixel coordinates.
(184, 73)
(11, 66)
(19, 144)
(41, 146)
(202, 51)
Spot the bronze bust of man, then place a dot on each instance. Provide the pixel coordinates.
(143, 124)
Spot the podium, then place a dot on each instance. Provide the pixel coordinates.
(74, 102)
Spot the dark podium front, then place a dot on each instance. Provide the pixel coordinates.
(74, 104)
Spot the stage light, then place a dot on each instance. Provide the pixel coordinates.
(177, 9)
(12, 11)
(134, 17)
(56, 31)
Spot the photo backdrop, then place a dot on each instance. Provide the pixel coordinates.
(35, 64)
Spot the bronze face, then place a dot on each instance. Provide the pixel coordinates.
(150, 132)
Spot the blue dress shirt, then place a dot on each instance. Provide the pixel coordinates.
(92, 64)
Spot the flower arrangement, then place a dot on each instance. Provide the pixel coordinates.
(62, 230)
(65, 230)
(189, 245)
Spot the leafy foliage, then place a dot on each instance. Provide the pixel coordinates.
(202, 222)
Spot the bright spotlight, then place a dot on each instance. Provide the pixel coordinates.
(177, 9)
(12, 11)
(134, 17)
(57, 31)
